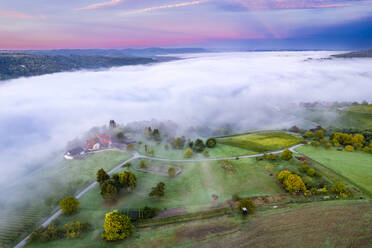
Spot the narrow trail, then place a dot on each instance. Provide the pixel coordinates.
(136, 155)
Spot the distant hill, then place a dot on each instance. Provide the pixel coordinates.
(146, 52)
(14, 65)
(359, 54)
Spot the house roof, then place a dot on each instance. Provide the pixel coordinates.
(90, 143)
(76, 151)
(104, 139)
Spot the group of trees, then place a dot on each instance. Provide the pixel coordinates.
(291, 182)
(111, 186)
(53, 232)
(152, 134)
(178, 143)
(356, 140)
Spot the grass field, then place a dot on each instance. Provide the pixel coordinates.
(356, 166)
(322, 224)
(219, 151)
(261, 142)
(192, 189)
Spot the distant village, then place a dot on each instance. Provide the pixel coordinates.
(100, 141)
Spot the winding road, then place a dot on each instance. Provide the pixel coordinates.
(136, 155)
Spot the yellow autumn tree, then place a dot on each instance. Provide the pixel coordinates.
(294, 183)
(117, 226)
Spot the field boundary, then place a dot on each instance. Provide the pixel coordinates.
(184, 217)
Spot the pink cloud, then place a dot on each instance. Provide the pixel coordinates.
(101, 5)
(14, 15)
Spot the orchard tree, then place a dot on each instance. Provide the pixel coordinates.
(287, 155)
(117, 226)
(158, 190)
(69, 205)
(188, 153)
(102, 176)
(108, 190)
(211, 142)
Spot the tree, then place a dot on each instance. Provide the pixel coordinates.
(178, 143)
(198, 146)
(287, 155)
(102, 176)
(130, 147)
(283, 175)
(158, 190)
(112, 124)
(75, 229)
(149, 212)
(171, 172)
(338, 188)
(128, 180)
(206, 154)
(358, 141)
(294, 183)
(319, 134)
(156, 135)
(120, 136)
(69, 205)
(349, 148)
(246, 206)
(108, 190)
(309, 134)
(117, 226)
(143, 164)
(211, 142)
(188, 153)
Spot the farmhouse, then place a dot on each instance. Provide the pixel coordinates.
(99, 141)
(92, 145)
(75, 153)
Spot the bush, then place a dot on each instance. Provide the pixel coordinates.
(310, 172)
(287, 155)
(303, 168)
(130, 147)
(247, 204)
(211, 142)
(143, 164)
(188, 153)
(283, 175)
(349, 148)
(294, 183)
(69, 205)
(206, 154)
(338, 188)
(366, 149)
(198, 146)
(308, 181)
(327, 145)
(129, 164)
(271, 157)
(75, 229)
(315, 143)
(158, 190)
(149, 212)
(117, 226)
(309, 134)
(171, 172)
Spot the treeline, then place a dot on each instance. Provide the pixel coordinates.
(24, 65)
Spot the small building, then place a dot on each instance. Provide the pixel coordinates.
(75, 153)
(92, 145)
(104, 140)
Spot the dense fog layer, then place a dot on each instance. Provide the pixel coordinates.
(39, 115)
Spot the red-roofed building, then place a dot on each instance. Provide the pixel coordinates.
(104, 139)
(92, 144)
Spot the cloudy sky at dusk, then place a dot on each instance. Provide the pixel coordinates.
(255, 24)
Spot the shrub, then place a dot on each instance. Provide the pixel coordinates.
(130, 147)
(327, 145)
(287, 155)
(211, 142)
(315, 143)
(303, 168)
(349, 148)
(206, 154)
(188, 153)
(308, 181)
(171, 172)
(158, 190)
(46, 234)
(117, 226)
(271, 157)
(166, 146)
(247, 204)
(143, 164)
(129, 164)
(150, 152)
(283, 175)
(309, 134)
(366, 149)
(75, 229)
(294, 183)
(338, 188)
(69, 205)
(310, 172)
(198, 146)
(268, 168)
(149, 212)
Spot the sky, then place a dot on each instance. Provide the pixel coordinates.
(242, 24)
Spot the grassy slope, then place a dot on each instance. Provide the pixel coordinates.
(220, 151)
(262, 142)
(321, 224)
(193, 189)
(357, 166)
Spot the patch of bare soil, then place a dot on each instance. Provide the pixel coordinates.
(202, 232)
(172, 212)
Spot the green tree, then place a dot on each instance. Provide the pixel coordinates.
(319, 134)
(75, 229)
(158, 190)
(206, 154)
(188, 153)
(128, 180)
(247, 205)
(102, 176)
(108, 190)
(198, 146)
(143, 164)
(287, 155)
(309, 134)
(156, 135)
(69, 205)
(211, 142)
(178, 143)
(117, 226)
(171, 172)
